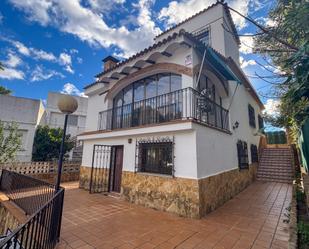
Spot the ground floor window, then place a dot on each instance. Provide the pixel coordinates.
(242, 152)
(155, 156)
(254, 153)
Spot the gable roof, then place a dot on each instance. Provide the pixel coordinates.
(227, 11)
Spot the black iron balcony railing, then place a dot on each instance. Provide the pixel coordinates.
(178, 105)
(44, 207)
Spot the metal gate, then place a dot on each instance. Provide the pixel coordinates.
(102, 161)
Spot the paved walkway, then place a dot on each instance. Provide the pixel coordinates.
(253, 219)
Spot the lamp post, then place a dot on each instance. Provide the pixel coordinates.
(67, 105)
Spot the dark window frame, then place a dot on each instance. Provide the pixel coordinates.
(251, 114)
(242, 154)
(254, 153)
(155, 156)
(260, 122)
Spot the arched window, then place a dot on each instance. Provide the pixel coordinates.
(149, 87)
(145, 101)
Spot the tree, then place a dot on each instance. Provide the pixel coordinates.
(286, 43)
(4, 91)
(10, 141)
(47, 143)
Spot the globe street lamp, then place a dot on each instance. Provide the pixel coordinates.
(67, 105)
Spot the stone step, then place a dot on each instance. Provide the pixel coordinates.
(266, 176)
(274, 180)
(266, 170)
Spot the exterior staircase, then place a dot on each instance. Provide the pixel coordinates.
(276, 164)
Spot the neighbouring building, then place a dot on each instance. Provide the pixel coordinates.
(55, 118)
(176, 126)
(27, 114)
(76, 121)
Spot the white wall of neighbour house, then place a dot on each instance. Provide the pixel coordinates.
(184, 149)
(26, 113)
(220, 40)
(217, 151)
(54, 118)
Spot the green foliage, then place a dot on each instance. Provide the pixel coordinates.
(4, 91)
(10, 141)
(276, 137)
(47, 143)
(303, 234)
(291, 18)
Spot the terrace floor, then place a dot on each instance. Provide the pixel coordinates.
(252, 219)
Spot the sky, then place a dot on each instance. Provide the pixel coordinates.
(53, 45)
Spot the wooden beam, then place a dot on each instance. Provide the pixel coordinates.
(124, 73)
(150, 61)
(166, 54)
(136, 67)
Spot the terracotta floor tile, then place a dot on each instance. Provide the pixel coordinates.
(252, 219)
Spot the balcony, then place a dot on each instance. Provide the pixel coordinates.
(184, 104)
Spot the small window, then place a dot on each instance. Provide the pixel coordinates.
(242, 153)
(251, 116)
(72, 120)
(203, 36)
(155, 156)
(254, 153)
(261, 122)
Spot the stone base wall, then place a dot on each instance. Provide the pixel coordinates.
(215, 190)
(186, 197)
(175, 195)
(100, 179)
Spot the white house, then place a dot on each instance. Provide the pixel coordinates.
(55, 118)
(175, 126)
(27, 114)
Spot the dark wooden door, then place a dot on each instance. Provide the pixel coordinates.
(117, 169)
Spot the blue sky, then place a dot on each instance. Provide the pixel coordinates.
(51, 45)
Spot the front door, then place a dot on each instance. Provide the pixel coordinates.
(117, 171)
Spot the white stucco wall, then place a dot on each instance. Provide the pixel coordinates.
(220, 40)
(217, 151)
(26, 113)
(184, 150)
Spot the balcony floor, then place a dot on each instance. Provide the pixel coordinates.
(253, 219)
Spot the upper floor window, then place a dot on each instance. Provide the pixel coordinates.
(149, 87)
(203, 36)
(251, 113)
(261, 122)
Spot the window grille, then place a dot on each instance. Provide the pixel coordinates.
(251, 116)
(254, 153)
(155, 155)
(242, 152)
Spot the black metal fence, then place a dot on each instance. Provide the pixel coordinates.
(26, 192)
(42, 229)
(178, 105)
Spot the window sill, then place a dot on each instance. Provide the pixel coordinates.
(154, 174)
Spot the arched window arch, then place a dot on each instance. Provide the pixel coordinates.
(148, 87)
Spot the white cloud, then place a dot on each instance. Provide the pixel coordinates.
(272, 107)
(37, 10)
(79, 60)
(11, 73)
(73, 51)
(71, 89)
(244, 63)
(42, 55)
(70, 16)
(65, 59)
(176, 12)
(40, 74)
(103, 5)
(247, 44)
(21, 48)
(13, 60)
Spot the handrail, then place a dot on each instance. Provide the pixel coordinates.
(42, 228)
(186, 103)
